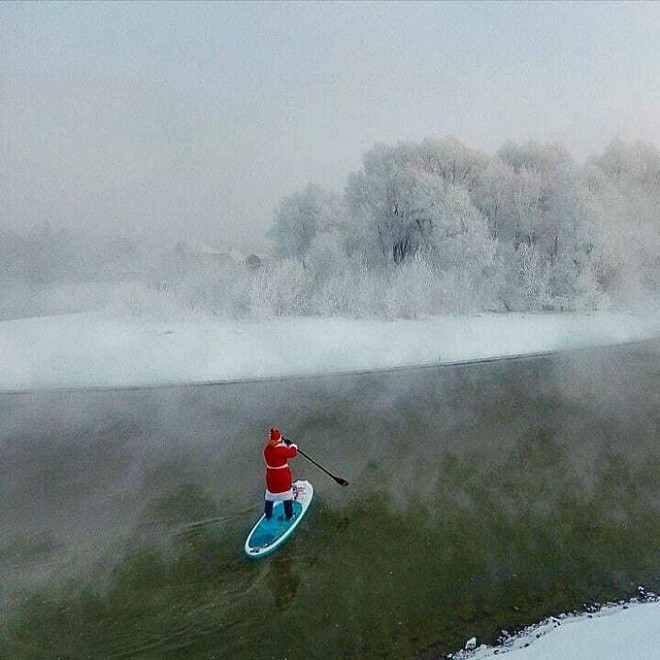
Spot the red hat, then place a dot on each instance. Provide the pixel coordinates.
(275, 435)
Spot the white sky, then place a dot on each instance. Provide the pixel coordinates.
(191, 120)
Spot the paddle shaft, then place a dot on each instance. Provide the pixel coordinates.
(339, 480)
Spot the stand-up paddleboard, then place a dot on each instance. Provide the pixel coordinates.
(268, 535)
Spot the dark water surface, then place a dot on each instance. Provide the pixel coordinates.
(482, 498)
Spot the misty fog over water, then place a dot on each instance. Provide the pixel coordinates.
(372, 161)
(500, 494)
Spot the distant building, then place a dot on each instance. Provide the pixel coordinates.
(200, 258)
(195, 254)
(255, 260)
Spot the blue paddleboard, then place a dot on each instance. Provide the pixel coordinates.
(268, 535)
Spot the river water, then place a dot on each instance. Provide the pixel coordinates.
(481, 498)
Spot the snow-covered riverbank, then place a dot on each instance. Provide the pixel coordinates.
(98, 350)
(622, 632)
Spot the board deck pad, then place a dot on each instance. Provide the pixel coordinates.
(268, 535)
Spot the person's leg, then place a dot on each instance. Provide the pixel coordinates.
(288, 509)
(268, 509)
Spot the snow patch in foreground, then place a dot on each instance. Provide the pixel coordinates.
(615, 632)
(96, 350)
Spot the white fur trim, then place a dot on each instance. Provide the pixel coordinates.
(279, 497)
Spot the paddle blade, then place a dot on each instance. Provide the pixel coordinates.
(340, 481)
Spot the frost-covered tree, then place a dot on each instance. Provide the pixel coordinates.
(527, 202)
(381, 207)
(494, 197)
(299, 218)
(398, 194)
(465, 252)
(435, 227)
(536, 185)
(622, 193)
(282, 289)
(550, 218)
(413, 290)
(452, 161)
(413, 202)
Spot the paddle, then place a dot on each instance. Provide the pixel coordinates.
(339, 480)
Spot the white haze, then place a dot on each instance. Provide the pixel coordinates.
(165, 121)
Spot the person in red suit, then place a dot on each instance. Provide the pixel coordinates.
(277, 452)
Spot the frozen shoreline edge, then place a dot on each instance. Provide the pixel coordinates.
(91, 351)
(325, 374)
(528, 635)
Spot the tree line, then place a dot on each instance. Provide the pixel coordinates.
(433, 227)
(436, 227)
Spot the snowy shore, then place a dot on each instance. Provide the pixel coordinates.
(98, 350)
(620, 632)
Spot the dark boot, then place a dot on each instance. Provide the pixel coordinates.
(288, 509)
(268, 510)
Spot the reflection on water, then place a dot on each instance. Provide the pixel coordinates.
(282, 579)
(481, 499)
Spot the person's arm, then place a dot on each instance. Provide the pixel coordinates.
(292, 448)
(286, 451)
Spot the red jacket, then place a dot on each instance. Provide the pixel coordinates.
(278, 474)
